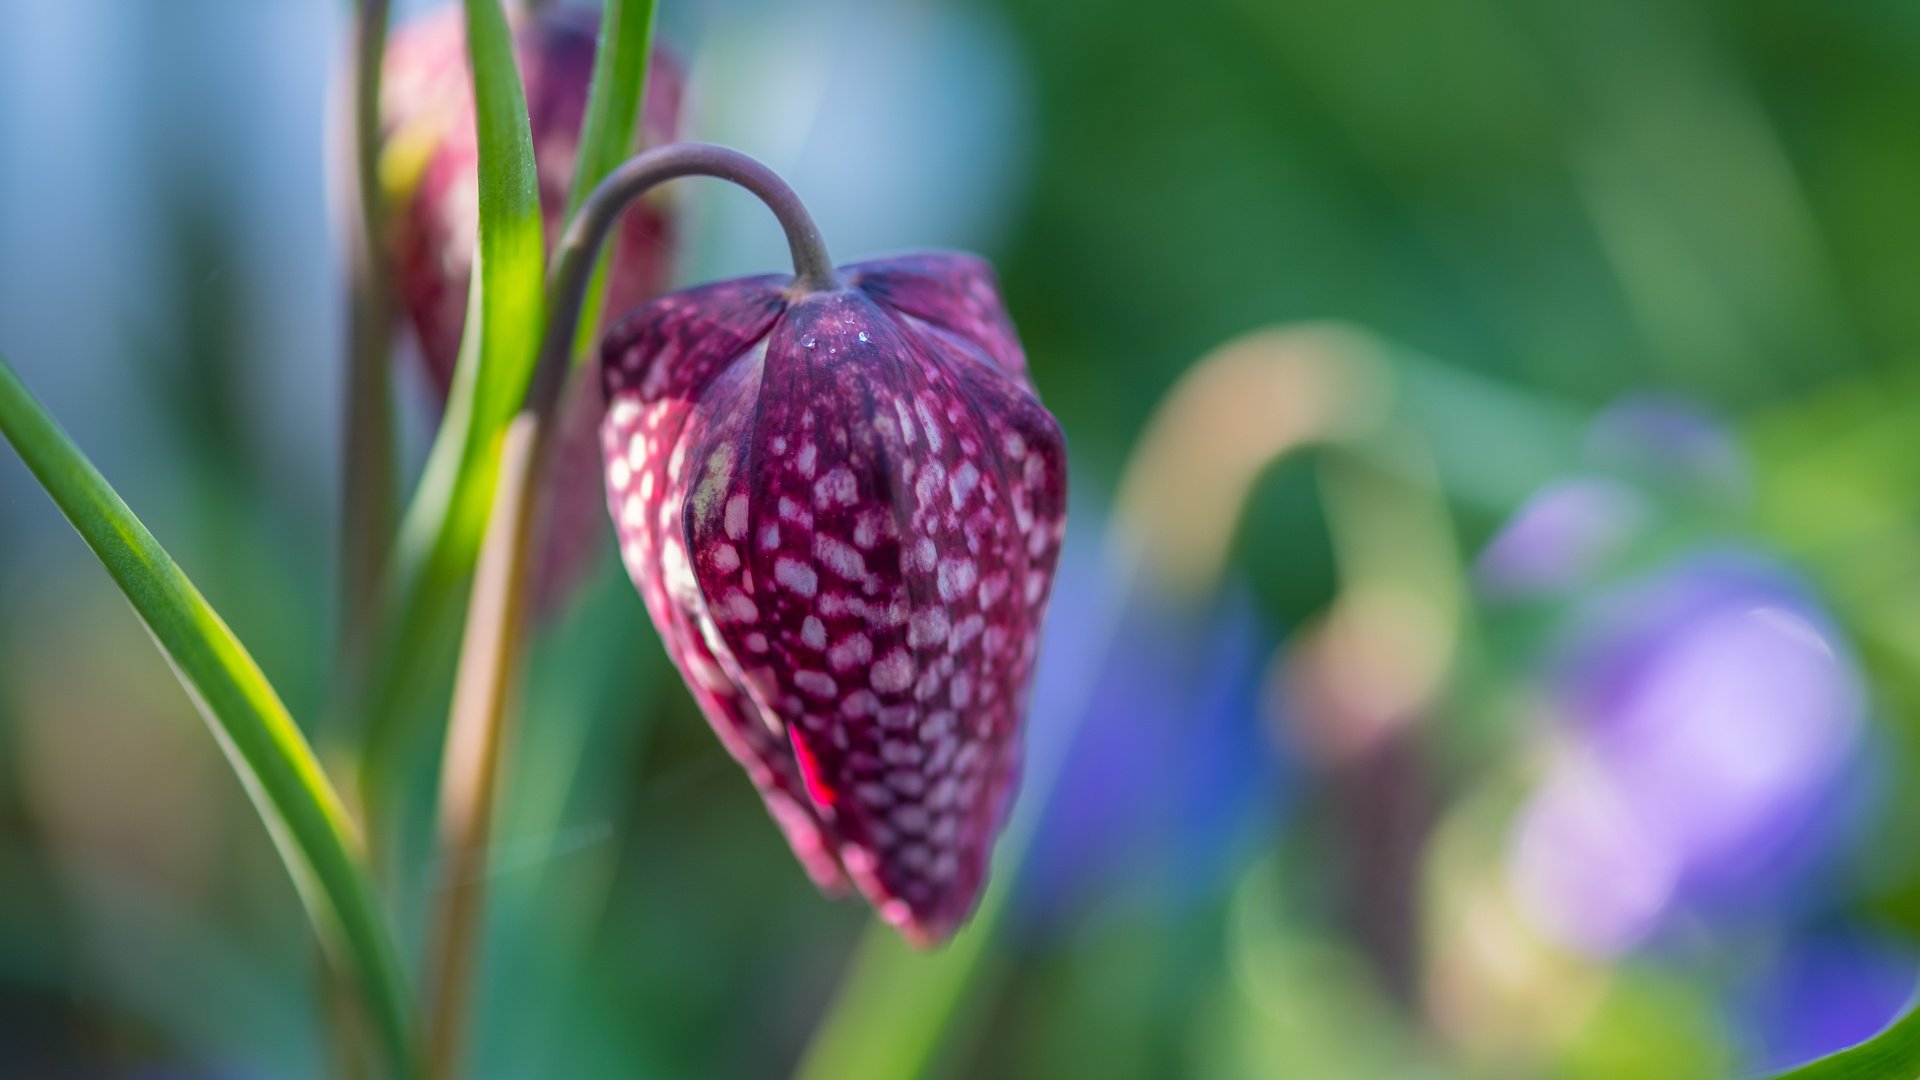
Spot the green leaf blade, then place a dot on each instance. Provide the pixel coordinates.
(1894, 1054)
(510, 261)
(260, 739)
(610, 131)
(506, 316)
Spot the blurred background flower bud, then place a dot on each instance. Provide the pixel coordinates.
(1711, 714)
(430, 160)
(429, 164)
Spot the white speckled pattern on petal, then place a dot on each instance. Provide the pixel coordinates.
(858, 512)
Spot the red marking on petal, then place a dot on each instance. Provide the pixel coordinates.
(818, 789)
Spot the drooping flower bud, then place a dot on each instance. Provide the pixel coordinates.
(844, 509)
(430, 156)
(430, 161)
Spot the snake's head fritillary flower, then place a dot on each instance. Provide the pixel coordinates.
(844, 509)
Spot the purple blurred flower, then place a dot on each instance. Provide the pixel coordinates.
(1168, 772)
(1644, 455)
(1561, 538)
(1823, 993)
(1714, 714)
(1669, 444)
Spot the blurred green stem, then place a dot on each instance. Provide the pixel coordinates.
(369, 497)
(613, 128)
(477, 733)
(494, 641)
(368, 493)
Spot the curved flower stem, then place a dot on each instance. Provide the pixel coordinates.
(493, 643)
(573, 259)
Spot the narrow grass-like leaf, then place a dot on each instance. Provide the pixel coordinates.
(510, 264)
(610, 130)
(1894, 1054)
(245, 714)
(506, 314)
(611, 125)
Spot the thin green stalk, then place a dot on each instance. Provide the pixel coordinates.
(476, 736)
(587, 233)
(245, 714)
(441, 535)
(368, 495)
(369, 498)
(493, 646)
(445, 526)
(441, 532)
(612, 128)
(470, 765)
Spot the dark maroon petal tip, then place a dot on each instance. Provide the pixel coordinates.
(951, 291)
(844, 512)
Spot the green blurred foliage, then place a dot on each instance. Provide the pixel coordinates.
(1546, 202)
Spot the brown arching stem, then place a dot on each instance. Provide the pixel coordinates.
(580, 245)
(493, 641)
